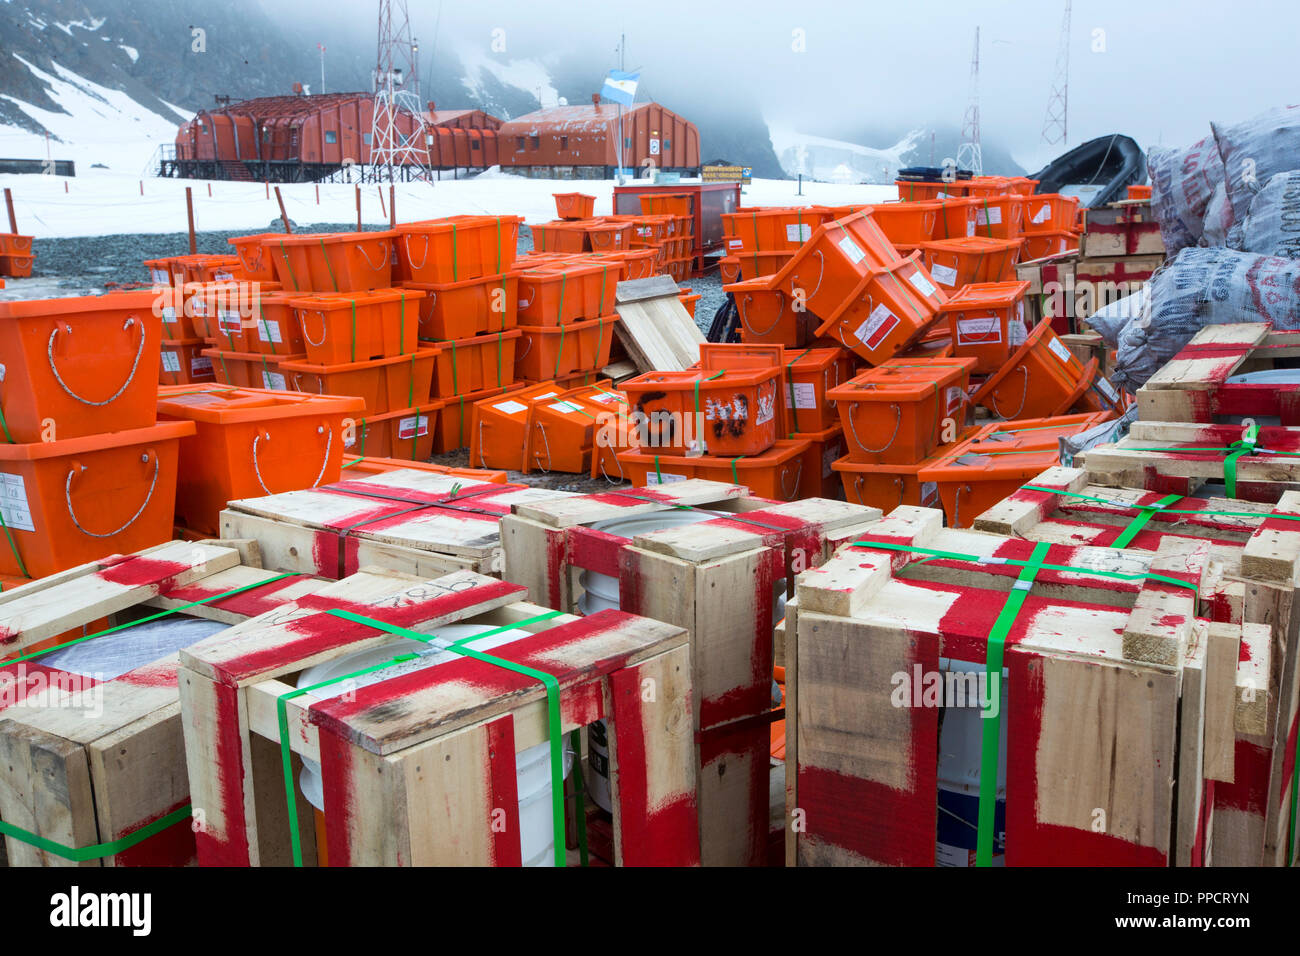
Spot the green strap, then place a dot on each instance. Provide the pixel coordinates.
(13, 546)
(1136, 525)
(5, 425)
(734, 479)
(659, 475)
(560, 354)
(401, 325)
(699, 382)
(1169, 511)
(600, 336)
(96, 851)
(552, 709)
(993, 727)
(789, 381)
(326, 255)
(288, 265)
(501, 344)
(455, 266)
(498, 245)
(455, 382)
(266, 328)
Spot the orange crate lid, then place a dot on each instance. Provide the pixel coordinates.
(312, 238)
(33, 451)
(985, 295)
(902, 380)
(230, 405)
(1019, 449)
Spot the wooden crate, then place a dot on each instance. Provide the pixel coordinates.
(1110, 689)
(1179, 457)
(1257, 548)
(1087, 346)
(1193, 386)
(1051, 293)
(1124, 228)
(418, 769)
(1101, 280)
(96, 761)
(716, 579)
(417, 522)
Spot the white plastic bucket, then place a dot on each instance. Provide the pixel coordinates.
(532, 766)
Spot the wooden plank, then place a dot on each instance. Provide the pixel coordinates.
(652, 287)
(1223, 648)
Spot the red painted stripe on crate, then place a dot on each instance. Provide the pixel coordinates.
(503, 793)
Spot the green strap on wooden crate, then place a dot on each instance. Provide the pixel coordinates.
(548, 681)
(96, 851)
(1246, 446)
(1137, 524)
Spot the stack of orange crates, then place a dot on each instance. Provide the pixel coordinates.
(546, 427)
(759, 241)
(679, 243)
(16, 255)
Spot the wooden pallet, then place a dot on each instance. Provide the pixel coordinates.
(418, 769)
(716, 579)
(1193, 386)
(1124, 228)
(85, 762)
(412, 521)
(655, 328)
(1257, 547)
(1108, 690)
(1166, 456)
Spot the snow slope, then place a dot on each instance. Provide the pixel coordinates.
(837, 161)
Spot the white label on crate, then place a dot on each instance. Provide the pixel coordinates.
(542, 398)
(929, 492)
(986, 330)
(13, 503)
(852, 249)
(603, 397)
(168, 314)
(565, 407)
(922, 284)
(766, 409)
(268, 331)
(970, 227)
(228, 320)
(200, 365)
(662, 478)
(945, 275)
(804, 394)
(940, 195)
(160, 276)
(510, 408)
(798, 232)
(877, 327)
(988, 217)
(273, 380)
(1059, 350)
(1043, 214)
(735, 244)
(222, 275)
(414, 426)
(171, 361)
(954, 397)
(1017, 332)
(1107, 389)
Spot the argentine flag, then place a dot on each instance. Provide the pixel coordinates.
(620, 87)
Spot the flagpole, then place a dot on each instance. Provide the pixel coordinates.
(622, 65)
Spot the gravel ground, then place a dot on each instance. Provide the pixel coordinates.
(88, 265)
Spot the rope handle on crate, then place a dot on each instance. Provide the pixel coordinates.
(135, 365)
(100, 850)
(383, 259)
(554, 723)
(77, 468)
(993, 402)
(329, 445)
(750, 298)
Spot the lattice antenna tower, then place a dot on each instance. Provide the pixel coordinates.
(1056, 127)
(969, 154)
(391, 151)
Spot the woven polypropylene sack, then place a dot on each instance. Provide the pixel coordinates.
(1273, 226)
(1069, 446)
(1218, 219)
(1255, 151)
(1182, 182)
(1205, 287)
(1110, 319)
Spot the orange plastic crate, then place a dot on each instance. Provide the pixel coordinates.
(755, 265)
(250, 369)
(405, 433)
(561, 434)
(776, 473)
(567, 292)
(333, 262)
(455, 418)
(16, 266)
(196, 268)
(768, 315)
(732, 412)
(15, 244)
(386, 385)
(609, 236)
(353, 327)
(977, 473)
(953, 263)
(254, 257)
(478, 362)
(729, 269)
(82, 363)
(636, 263)
(559, 237)
(1000, 216)
(457, 310)
(556, 351)
(275, 329)
(182, 362)
(459, 247)
(76, 500)
(824, 448)
(956, 219)
(1043, 244)
(1041, 379)
(666, 204)
(1139, 192)
(907, 223)
(987, 323)
(498, 428)
(1049, 212)
(896, 413)
(775, 229)
(251, 442)
(574, 205)
(889, 486)
(809, 377)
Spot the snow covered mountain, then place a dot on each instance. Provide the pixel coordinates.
(837, 161)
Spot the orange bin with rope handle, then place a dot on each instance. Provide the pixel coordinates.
(889, 486)
(252, 442)
(809, 376)
(249, 369)
(182, 362)
(475, 363)
(907, 223)
(567, 292)
(458, 248)
(956, 219)
(386, 385)
(775, 473)
(455, 417)
(333, 261)
(78, 366)
(768, 315)
(574, 205)
(75, 500)
(977, 473)
(405, 433)
(774, 229)
(1049, 212)
(954, 263)
(1000, 216)
(254, 257)
(1044, 378)
(728, 412)
(896, 413)
(554, 352)
(1043, 244)
(353, 327)
(275, 328)
(561, 434)
(559, 237)
(498, 427)
(987, 323)
(457, 310)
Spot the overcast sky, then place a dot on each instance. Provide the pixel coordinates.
(1155, 69)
